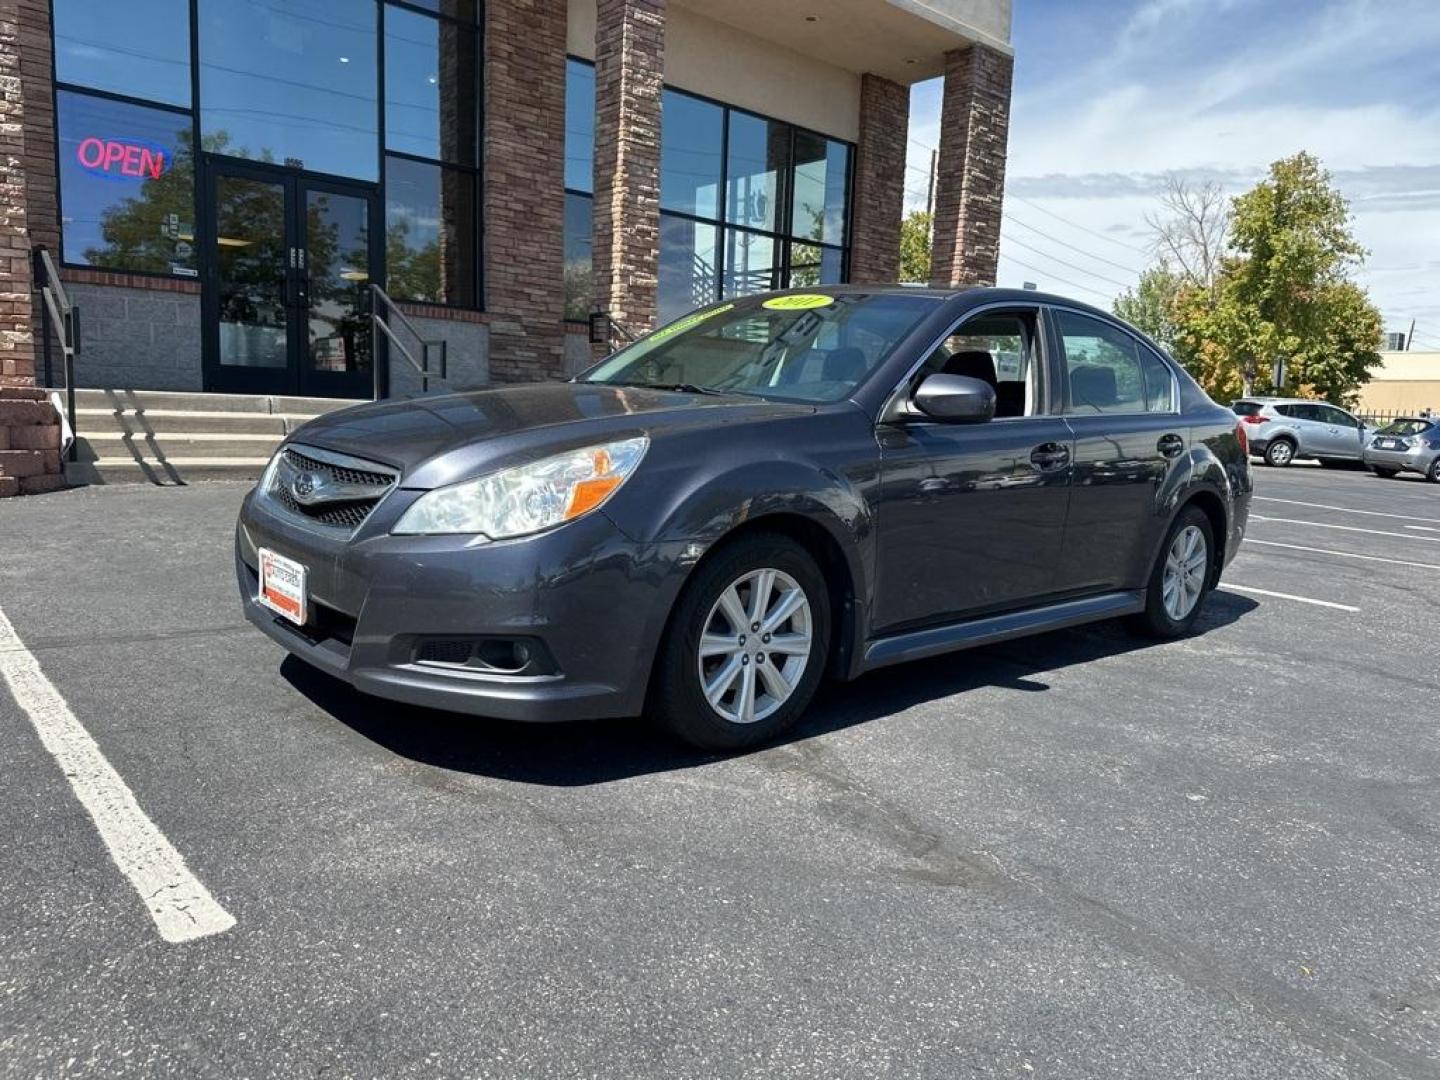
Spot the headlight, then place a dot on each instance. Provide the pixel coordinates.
(528, 498)
(269, 474)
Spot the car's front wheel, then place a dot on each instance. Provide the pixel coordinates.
(746, 646)
(1433, 473)
(1181, 577)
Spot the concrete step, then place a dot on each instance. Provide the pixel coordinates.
(170, 472)
(105, 445)
(161, 421)
(145, 400)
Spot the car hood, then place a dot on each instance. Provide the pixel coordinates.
(445, 439)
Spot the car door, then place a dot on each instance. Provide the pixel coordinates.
(1120, 400)
(1303, 418)
(971, 516)
(1340, 431)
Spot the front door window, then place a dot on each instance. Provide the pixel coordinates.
(337, 246)
(250, 260)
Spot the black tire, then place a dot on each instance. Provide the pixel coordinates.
(1279, 453)
(1155, 621)
(677, 698)
(1433, 473)
(1383, 473)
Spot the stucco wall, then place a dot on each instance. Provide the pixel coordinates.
(138, 339)
(707, 57)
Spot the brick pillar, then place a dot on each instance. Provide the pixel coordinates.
(525, 187)
(879, 181)
(17, 345)
(629, 77)
(974, 129)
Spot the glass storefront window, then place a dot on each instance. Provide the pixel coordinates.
(822, 168)
(757, 157)
(690, 155)
(579, 125)
(430, 233)
(431, 86)
(750, 263)
(579, 277)
(689, 255)
(456, 9)
(811, 264)
(127, 185)
(140, 48)
(293, 84)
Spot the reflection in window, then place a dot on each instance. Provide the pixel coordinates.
(821, 176)
(127, 185)
(140, 48)
(250, 259)
(337, 242)
(431, 72)
(688, 258)
(1102, 366)
(579, 126)
(456, 9)
(750, 263)
(430, 233)
(293, 83)
(811, 264)
(690, 155)
(757, 156)
(579, 277)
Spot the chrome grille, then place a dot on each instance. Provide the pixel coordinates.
(324, 488)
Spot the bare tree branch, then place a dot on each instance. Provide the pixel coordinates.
(1191, 230)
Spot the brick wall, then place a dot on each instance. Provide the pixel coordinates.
(629, 78)
(970, 185)
(17, 352)
(879, 196)
(525, 187)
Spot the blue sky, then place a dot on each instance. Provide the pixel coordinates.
(1111, 95)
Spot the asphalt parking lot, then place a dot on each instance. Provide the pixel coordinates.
(1073, 856)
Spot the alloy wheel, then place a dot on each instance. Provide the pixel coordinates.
(755, 645)
(1186, 564)
(1280, 453)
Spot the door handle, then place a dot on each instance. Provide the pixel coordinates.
(1050, 456)
(1171, 445)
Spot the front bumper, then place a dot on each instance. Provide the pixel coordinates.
(596, 600)
(1415, 459)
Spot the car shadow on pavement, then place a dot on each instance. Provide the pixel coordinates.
(594, 752)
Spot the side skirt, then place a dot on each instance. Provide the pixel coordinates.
(918, 644)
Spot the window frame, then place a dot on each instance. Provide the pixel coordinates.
(1061, 372)
(897, 408)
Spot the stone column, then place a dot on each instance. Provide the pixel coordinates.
(629, 78)
(879, 195)
(969, 187)
(525, 187)
(17, 345)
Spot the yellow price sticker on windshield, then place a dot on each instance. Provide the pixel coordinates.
(798, 302)
(687, 323)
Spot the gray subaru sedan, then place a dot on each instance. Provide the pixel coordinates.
(770, 491)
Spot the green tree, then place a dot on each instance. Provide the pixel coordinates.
(1152, 305)
(915, 247)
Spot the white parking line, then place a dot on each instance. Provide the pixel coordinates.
(1349, 528)
(1288, 596)
(1423, 528)
(1346, 509)
(181, 906)
(1343, 554)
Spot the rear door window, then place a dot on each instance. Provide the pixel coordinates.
(1102, 367)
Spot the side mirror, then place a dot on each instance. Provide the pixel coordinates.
(956, 399)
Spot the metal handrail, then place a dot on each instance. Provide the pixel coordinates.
(61, 317)
(380, 301)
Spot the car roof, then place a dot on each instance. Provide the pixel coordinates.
(985, 293)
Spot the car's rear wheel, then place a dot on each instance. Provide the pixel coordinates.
(1180, 580)
(1383, 473)
(1280, 453)
(746, 647)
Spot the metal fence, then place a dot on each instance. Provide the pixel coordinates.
(1380, 419)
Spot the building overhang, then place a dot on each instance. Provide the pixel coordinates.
(902, 40)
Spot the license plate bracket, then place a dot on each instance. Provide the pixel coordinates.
(283, 586)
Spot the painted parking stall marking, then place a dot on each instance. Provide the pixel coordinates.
(1250, 590)
(181, 906)
(1349, 528)
(1343, 554)
(1345, 509)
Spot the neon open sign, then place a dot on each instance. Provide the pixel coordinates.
(118, 158)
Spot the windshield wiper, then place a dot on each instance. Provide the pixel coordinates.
(679, 387)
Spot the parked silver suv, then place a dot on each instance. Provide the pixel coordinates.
(1283, 429)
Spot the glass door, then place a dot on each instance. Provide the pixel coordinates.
(288, 268)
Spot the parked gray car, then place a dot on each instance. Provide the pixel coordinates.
(1283, 430)
(1410, 444)
(770, 490)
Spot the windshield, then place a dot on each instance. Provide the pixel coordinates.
(1405, 427)
(810, 347)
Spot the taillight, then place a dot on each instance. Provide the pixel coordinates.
(1254, 419)
(1244, 439)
